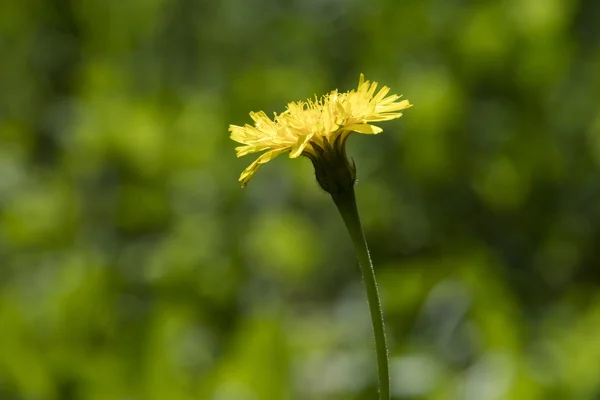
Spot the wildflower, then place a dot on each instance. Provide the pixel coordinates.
(318, 129)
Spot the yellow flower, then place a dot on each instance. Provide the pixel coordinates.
(316, 128)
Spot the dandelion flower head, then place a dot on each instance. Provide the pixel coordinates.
(311, 127)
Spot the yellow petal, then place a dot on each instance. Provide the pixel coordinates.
(361, 80)
(404, 104)
(238, 133)
(382, 92)
(388, 100)
(259, 116)
(364, 128)
(372, 89)
(300, 145)
(382, 117)
(249, 149)
(249, 172)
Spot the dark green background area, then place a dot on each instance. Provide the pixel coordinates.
(134, 267)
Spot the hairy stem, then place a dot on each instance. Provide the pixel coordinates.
(346, 205)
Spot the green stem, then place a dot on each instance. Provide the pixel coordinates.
(346, 205)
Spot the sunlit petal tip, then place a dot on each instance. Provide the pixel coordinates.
(372, 89)
(361, 80)
(241, 151)
(237, 133)
(390, 99)
(405, 103)
(257, 115)
(234, 128)
(381, 94)
(245, 177)
(365, 128)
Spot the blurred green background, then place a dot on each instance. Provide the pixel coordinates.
(133, 266)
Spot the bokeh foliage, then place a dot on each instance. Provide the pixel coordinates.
(132, 266)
